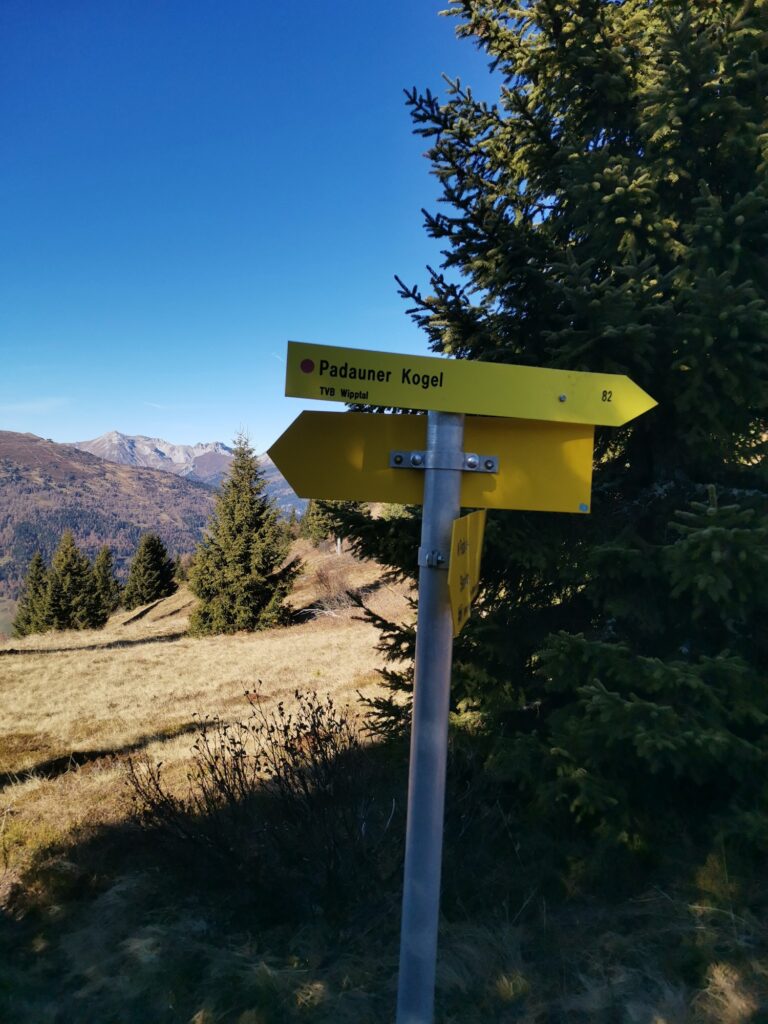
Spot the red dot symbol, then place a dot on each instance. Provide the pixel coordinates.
(307, 366)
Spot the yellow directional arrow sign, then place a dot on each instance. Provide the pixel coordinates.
(464, 565)
(461, 385)
(544, 467)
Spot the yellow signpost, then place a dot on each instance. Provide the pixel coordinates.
(464, 565)
(544, 467)
(527, 444)
(461, 385)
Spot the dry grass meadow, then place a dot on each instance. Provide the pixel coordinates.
(75, 704)
(100, 928)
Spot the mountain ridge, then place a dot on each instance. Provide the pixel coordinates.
(206, 462)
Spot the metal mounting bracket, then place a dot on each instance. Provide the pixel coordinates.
(467, 462)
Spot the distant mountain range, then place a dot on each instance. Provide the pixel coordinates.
(205, 463)
(46, 488)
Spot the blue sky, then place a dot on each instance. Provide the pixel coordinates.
(187, 184)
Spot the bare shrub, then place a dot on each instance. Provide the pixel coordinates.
(334, 591)
(282, 795)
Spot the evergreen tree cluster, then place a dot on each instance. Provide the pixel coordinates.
(74, 594)
(70, 594)
(240, 573)
(610, 213)
(316, 525)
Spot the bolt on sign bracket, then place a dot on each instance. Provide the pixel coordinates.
(431, 559)
(468, 462)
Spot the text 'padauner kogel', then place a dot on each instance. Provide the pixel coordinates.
(400, 381)
(408, 376)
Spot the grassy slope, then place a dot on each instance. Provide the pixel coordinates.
(101, 926)
(92, 697)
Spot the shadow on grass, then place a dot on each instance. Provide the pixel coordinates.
(337, 599)
(176, 611)
(131, 925)
(166, 638)
(256, 914)
(144, 611)
(55, 766)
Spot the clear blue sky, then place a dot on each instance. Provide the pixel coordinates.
(189, 183)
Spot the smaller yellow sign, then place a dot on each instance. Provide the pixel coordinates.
(464, 565)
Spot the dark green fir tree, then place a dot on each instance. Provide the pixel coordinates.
(315, 525)
(181, 565)
(71, 599)
(151, 574)
(105, 585)
(240, 573)
(610, 213)
(31, 614)
(321, 521)
(293, 522)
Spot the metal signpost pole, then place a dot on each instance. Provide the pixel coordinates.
(557, 410)
(429, 729)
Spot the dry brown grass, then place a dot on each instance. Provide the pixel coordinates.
(136, 686)
(328, 577)
(75, 704)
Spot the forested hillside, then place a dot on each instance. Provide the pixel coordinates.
(48, 488)
(203, 463)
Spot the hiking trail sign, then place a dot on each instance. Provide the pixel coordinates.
(461, 385)
(348, 456)
(530, 437)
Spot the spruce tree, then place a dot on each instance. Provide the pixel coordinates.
(106, 587)
(610, 213)
(71, 598)
(151, 574)
(240, 573)
(664, 708)
(31, 614)
(293, 522)
(181, 564)
(315, 525)
(322, 520)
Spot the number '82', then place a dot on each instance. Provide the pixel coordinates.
(607, 396)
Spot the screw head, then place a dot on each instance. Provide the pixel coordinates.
(472, 462)
(489, 464)
(417, 459)
(398, 460)
(562, 398)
